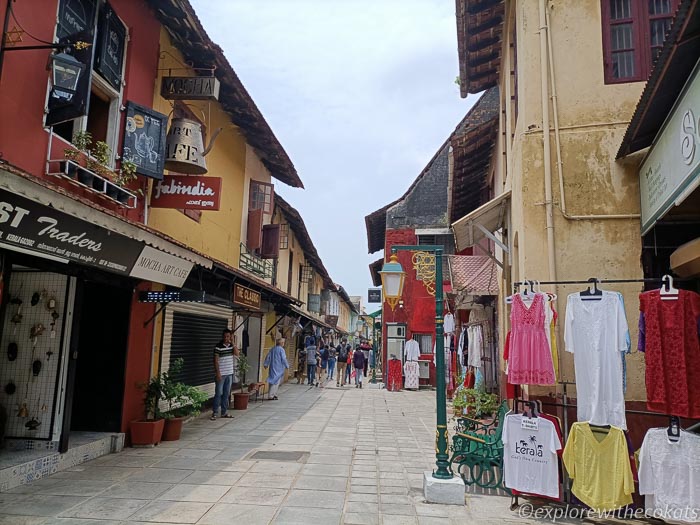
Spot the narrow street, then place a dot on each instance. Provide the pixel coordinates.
(317, 456)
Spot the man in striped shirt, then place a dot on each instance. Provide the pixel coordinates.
(223, 368)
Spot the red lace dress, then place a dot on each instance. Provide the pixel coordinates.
(529, 359)
(672, 353)
(395, 379)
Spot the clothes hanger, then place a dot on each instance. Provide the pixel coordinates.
(592, 293)
(668, 292)
(532, 412)
(674, 429)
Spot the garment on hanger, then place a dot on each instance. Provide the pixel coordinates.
(530, 455)
(411, 350)
(596, 333)
(668, 475)
(599, 465)
(460, 350)
(551, 330)
(672, 348)
(411, 374)
(394, 375)
(530, 359)
(449, 323)
(476, 340)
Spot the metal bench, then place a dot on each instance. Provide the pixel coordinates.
(477, 450)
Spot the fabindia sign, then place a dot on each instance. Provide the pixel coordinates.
(187, 192)
(671, 170)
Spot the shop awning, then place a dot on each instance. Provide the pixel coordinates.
(473, 275)
(308, 317)
(482, 223)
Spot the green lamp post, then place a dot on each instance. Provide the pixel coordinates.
(393, 277)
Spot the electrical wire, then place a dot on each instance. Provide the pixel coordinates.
(14, 17)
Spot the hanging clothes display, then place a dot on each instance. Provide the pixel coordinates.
(410, 367)
(460, 350)
(530, 359)
(669, 338)
(475, 349)
(598, 462)
(448, 323)
(393, 383)
(596, 333)
(668, 475)
(530, 455)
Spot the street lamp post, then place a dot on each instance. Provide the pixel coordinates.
(392, 275)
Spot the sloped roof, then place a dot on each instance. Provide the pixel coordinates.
(189, 37)
(479, 31)
(473, 274)
(671, 70)
(374, 269)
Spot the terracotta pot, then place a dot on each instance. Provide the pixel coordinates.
(240, 400)
(146, 432)
(173, 428)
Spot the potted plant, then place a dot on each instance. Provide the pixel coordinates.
(149, 430)
(125, 176)
(240, 399)
(459, 401)
(182, 401)
(99, 162)
(480, 404)
(82, 141)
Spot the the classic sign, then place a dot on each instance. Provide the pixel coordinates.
(671, 170)
(245, 296)
(190, 88)
(144, 140)
(27, 226)
(187, 192)
(160, 267)
(374, 295)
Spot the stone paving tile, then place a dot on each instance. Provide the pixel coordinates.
(106, 509)
(360, 519)
(276, 467)
(22, 520)
(76, 487)
(315, 499)
(367, 498)
(321, 483)
(172, 512)
(399, 520)
(229, 513)
(160, 475)
(361, 507)
(136, 490)
(201, 493)
(197, 453)
(99, 473)
(255, 496)
(252, 479)
(33, 505)
(211, 477)
(302, 516)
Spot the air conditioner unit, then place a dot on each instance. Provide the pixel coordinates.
(396, 331)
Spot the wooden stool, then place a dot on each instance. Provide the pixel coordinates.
(258, 388)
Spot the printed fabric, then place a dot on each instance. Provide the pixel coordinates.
(530, 359)
(410, 369)
(672, 352)
(394, 375)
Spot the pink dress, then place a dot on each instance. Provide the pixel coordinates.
(530, 360)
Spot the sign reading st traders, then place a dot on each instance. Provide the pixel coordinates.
(31, 227)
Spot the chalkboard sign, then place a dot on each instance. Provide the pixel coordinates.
(75, 16)
(111, 41)
(144, 140)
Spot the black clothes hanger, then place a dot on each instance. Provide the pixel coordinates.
(674, 429)
(595, 294)
(532, 412)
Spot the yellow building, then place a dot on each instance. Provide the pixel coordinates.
(557, 206)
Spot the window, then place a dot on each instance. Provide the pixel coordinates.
(633, 34)
(261, 196)
(284, 236)
(290, 272)
(425, 343)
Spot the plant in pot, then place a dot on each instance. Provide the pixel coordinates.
(101, 155)
(149, 430)
(125, 176)
(480, 404)
(240, 399)
(459, 401)
(82, 141)
(182, 401)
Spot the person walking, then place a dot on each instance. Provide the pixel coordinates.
(342, 363)
(332, 353)
(311, 354)
(348, 370)
(224, 353)
(301, 365)
(358, 361)
(276, 361)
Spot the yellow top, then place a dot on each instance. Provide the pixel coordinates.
(555, 352)
(599, 464)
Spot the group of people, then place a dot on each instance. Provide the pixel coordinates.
(318, 360)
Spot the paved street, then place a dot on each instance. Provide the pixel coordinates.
(359, 459)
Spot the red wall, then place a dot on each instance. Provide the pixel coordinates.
(138, 359)
(24, 83)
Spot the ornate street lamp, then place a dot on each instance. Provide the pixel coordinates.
(393, 278)
(65, 74)
(392, 282)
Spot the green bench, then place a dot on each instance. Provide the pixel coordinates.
(477, 450)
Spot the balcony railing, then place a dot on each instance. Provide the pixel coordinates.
(252, 263)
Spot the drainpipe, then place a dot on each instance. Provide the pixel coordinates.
(548, 205)
(557, 141)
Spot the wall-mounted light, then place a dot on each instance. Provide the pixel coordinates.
(65, 74)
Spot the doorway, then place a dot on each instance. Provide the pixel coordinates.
(102, 345)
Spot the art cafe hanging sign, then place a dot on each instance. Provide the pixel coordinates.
(187, 192)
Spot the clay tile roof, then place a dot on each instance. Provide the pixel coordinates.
(190, 38)
(473, 274)
(479, 30)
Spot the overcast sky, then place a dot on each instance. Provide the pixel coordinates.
(361, 93)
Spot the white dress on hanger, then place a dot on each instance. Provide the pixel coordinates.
(449, 323)
(475, 344)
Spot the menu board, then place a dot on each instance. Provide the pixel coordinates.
(144, 140)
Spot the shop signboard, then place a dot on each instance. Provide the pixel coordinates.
(144, 140)
(160, 267)
(374, 295)
(314, 303)
(29, 227)
(187, 192)
(671, 170)
(190, 88)
(246, 297)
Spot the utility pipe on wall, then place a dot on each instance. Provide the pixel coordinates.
(557, 141)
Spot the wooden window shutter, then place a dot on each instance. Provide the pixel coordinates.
(255, 219)
(270, 241)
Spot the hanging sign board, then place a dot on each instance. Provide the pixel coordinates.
(144, 140)
(671, 170)
(29, 227)
(314, 303)
(374, 295)
(246, 297)
(187, 192)
(190, 88)
(332, 320)
(109, 56)
(160, 267)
